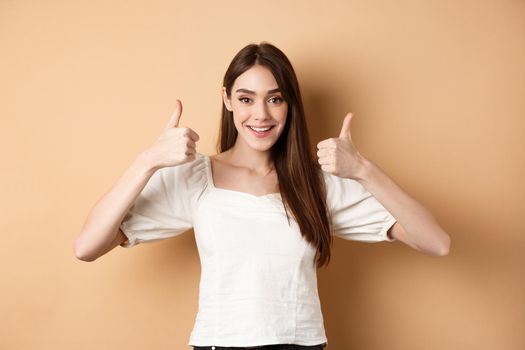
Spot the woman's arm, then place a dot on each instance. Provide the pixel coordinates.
(101, 231)
(415, 225)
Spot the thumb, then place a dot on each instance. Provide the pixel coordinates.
(345, 130)
(175, 117)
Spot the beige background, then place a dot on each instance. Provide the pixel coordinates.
(437, 88)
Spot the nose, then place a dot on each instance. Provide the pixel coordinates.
(261, 111)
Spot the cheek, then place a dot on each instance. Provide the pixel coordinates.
(282, 114)
(242, 116)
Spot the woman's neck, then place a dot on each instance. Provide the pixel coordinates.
(247, 157)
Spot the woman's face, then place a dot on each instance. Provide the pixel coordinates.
(256, 102)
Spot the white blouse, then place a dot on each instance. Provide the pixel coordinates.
(258, 283)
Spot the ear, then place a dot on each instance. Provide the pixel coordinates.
(226, 100)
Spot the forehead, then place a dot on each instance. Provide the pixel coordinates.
(257, 78)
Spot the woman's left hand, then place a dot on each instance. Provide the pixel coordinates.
(339, 156)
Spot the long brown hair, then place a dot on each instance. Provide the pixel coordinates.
(300, 176)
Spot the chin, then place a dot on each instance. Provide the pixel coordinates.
(259, 145)
(261, 148)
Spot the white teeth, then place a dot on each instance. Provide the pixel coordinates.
(260, 129)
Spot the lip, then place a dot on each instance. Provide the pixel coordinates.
(260, 134)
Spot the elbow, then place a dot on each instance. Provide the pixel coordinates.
(444, 247)
(81, 253)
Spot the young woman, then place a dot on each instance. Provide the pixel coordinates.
(263, 209)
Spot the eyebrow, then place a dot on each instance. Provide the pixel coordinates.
(253, 92)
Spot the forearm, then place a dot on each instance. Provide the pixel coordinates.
(422, 229)
(103, 222)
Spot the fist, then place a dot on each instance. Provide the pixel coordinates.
(176, 145)
(339, 156)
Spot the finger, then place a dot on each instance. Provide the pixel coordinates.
(175, 117)
(345, 130)
(323, 152)
(326, 168)
(328, 143)
(324, 160)
(193, 135)
(191, 144)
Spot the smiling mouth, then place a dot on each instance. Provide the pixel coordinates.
(260, 129)
(260, 132)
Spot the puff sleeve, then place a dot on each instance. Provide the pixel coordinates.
(356, 214)
(166, 205)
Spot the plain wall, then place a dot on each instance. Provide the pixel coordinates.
(437, 90)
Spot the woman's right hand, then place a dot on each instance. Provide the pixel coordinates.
(176, 145)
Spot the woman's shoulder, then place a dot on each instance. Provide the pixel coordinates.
(337, 187)
(191, 174)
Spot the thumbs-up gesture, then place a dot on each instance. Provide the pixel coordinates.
(338, 156)
(176, 145)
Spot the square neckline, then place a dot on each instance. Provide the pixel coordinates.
(209, 173)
